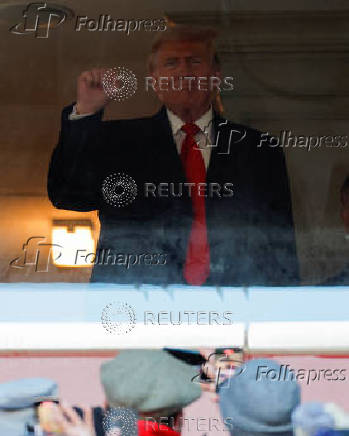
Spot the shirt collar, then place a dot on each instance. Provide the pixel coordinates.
(176, 123)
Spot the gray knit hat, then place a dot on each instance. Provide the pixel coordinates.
(149, 380)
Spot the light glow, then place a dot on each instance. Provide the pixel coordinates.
(67, 243)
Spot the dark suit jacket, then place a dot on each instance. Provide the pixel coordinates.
(341, 279)
(251, 234)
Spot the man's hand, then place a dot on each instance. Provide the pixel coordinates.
(90, 93)
(72, 424)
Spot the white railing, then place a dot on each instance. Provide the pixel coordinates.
(105, 317)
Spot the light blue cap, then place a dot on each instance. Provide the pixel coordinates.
(17, 399)
(311, 417)
(259, 405)
(22, 393)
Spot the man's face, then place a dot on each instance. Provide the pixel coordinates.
(345, 211)
(179, 59)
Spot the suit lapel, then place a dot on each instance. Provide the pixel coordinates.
(223, 152)
(167, 156)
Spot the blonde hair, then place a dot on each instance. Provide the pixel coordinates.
(181, 32)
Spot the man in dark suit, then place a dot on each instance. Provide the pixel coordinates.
(342, 278)
(213, 215)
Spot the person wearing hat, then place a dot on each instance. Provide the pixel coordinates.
(18, 399)
(315, 419)
(145, 391)
(258, 404)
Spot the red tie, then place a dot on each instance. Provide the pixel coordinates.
(197, 264)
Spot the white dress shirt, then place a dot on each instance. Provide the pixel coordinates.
(203, 138)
